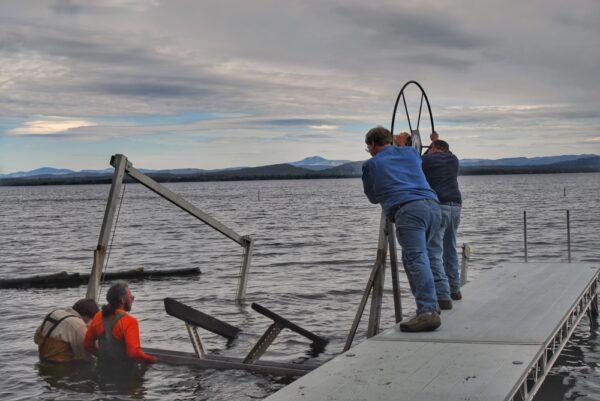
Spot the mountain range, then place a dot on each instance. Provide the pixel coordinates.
(310, 168)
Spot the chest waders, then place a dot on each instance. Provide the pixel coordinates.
(52, 349)
(111, 351)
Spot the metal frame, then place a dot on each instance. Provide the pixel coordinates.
(124, 167)
(531, 383)
(423, 96)
(194, 319)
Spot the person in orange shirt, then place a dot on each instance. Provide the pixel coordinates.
(116, 331)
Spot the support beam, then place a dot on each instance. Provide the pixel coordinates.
(183, 204)
(118, 162)
(464, 263)
(394, 269)
(377, 295)
(263, 343)
(244, 269)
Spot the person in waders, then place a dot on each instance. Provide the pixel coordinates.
(113, 335)
(60, 336)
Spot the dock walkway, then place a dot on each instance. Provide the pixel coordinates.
(498, 343)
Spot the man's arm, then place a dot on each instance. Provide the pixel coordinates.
(368, 183)
(89, 341)
(132, 341)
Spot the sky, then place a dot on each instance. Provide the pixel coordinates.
(215, 84)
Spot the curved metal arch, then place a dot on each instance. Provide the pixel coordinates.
(401, 95)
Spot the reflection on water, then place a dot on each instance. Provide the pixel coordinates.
(315, 244)
(78, 378)
(89, 378)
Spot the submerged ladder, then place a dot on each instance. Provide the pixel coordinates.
(194, 318)
(497, 344)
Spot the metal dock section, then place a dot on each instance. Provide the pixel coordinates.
(497, 344)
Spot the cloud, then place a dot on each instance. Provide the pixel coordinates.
(297, 71)
(50, 126)
(324, 127)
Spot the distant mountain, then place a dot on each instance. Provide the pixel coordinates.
(318, 163)
(351, 169)
(521, 161)
(38, 171)
(590, 164)
(51, 176)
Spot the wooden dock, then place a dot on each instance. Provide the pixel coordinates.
(497, 344)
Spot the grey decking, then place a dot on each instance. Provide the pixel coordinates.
(496, 344)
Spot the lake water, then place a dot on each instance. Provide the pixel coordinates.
(315, 244)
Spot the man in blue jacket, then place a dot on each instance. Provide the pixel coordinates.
(394, 178)
(441, 169)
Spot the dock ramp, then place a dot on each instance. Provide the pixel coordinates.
(497, 344)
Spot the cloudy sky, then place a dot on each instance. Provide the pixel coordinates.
(211, 84)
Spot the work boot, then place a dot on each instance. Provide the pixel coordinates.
(426, 321)
(445, 304)
(457, 296)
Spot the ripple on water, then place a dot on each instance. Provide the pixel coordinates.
(315, 244)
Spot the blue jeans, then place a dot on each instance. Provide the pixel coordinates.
(435, 249)
(450, 222)
(416, 224)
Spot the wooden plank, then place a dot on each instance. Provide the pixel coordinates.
(199, 319)
(289, 325)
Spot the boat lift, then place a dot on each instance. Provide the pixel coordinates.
(124, 167)
(194, 318)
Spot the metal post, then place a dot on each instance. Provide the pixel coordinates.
(377, 295)
(568, 237)
(466, 254)
(119, 161)
(243, 279)
(394, 270)
(525, 232)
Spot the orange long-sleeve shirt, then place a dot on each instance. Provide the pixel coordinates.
(126, 329)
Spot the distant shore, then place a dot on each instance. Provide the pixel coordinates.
(285, 172)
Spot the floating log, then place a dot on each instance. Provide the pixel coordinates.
(64, 279)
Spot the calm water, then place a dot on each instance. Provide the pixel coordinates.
(315, 246)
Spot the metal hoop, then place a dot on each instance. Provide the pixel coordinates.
(417, 144)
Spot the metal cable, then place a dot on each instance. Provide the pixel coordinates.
(105, 268)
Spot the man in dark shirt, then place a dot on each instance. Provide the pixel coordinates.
(441, 170)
